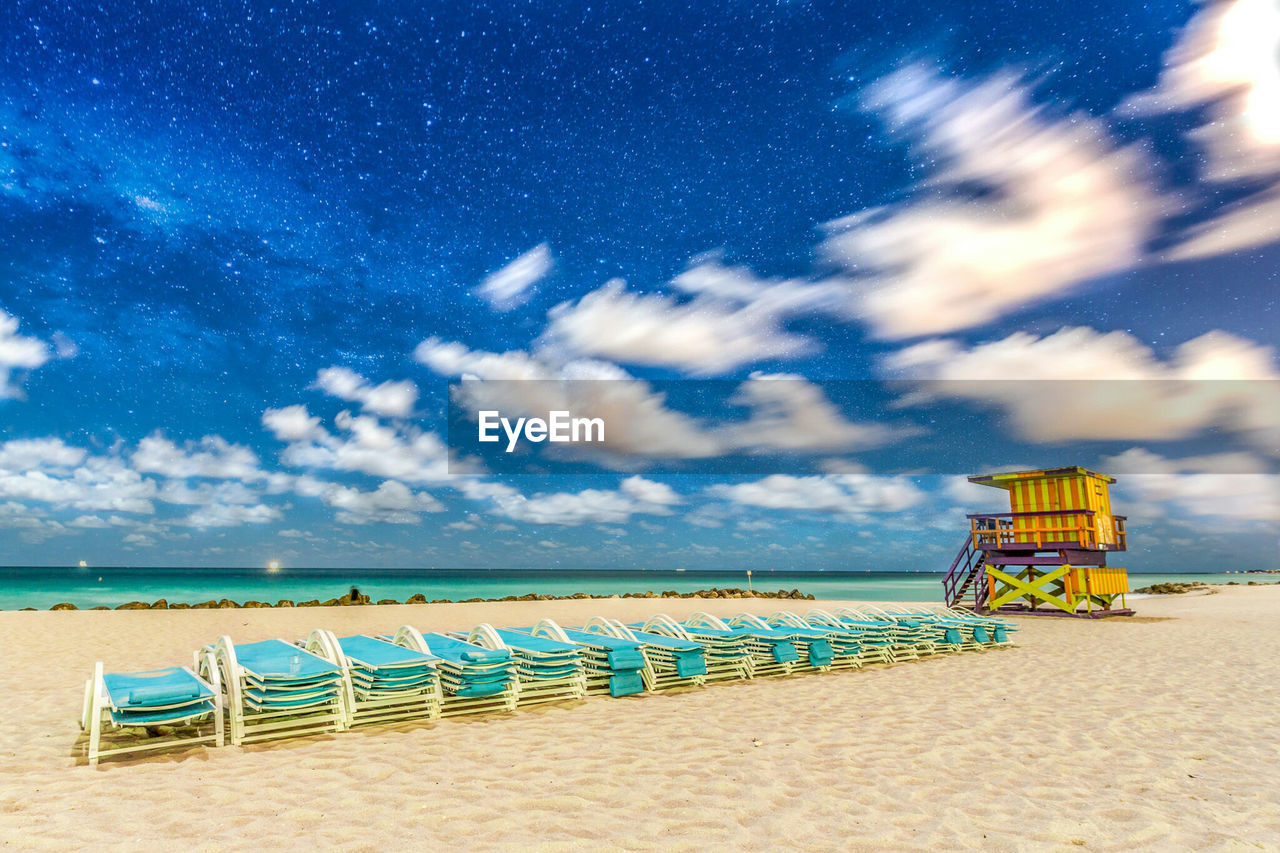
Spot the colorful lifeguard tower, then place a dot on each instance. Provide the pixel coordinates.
(1048, 554)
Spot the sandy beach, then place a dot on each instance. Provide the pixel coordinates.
(1154, 732)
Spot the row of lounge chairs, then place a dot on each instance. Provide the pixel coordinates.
(250, 692)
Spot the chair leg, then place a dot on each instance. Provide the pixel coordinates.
(95, 730)
(88, 705)
(220, 737)
(95, 700)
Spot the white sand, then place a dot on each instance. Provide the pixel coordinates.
(1157, 732)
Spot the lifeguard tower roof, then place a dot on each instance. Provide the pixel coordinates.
(1006, 480)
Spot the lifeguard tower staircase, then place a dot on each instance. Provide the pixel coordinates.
(1048, 554)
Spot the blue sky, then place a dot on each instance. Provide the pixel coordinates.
(244, 250)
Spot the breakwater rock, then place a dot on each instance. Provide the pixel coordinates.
(1171, 588)
(355, 598)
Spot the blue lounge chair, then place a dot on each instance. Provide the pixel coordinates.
(927, 632)
(911, 638)
(875, 637)
(547, 670)
(474, 679)
(135, 706)
(383, 682)
(845, 644)
(274, 689)
(726, 652)
(610, 665)
(986, 632)
(772, 652)
(670, 662)
(813, 648)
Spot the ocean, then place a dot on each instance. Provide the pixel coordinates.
(42, 587)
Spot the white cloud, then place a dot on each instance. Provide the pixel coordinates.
(292, 423)
(975, 497)
(734, 319)
(32, 523)
(1237, 486)
(212, 457)
(204, 494)
(779, 298)
(509, 287)
(521, 385)
(364, 444)
(710, 517)
(232, 515)
(1215, 379)
(790, 413)
(89, 522)
(787, 411)
(1227, 58)
(17, 353)
(1066, 205)
(391, 503)
(649, 491)
(849, 495)
(1227, 62)
(635, 496)
(1244, 225)
(47, 471)
(39, 453)
(390, 399)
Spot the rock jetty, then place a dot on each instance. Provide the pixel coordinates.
(356, 598)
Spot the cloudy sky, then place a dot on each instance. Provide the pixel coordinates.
(244, 250)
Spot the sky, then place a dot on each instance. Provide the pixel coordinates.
(830, 260)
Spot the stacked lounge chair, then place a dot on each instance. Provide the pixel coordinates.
(813, 648)
(977, 631)
(727, 653)
(275, 689)
(772, 652)
(610, 665)
(875, 637)
(846, 644)
(473, 679)
(951, 634)
(671, 662)
(912, 637)
(383, 682)
(136, 706)
(548, 670)
(996, 630)
(961, 629)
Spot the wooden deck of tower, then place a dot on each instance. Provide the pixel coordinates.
(1048, 554)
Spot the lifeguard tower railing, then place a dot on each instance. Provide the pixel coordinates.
(1047, 531)
(966, 573)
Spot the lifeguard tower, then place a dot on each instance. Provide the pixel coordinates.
(1048, 554)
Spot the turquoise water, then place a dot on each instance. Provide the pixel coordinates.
(43, 587)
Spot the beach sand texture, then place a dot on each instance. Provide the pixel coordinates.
(1156, 732)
